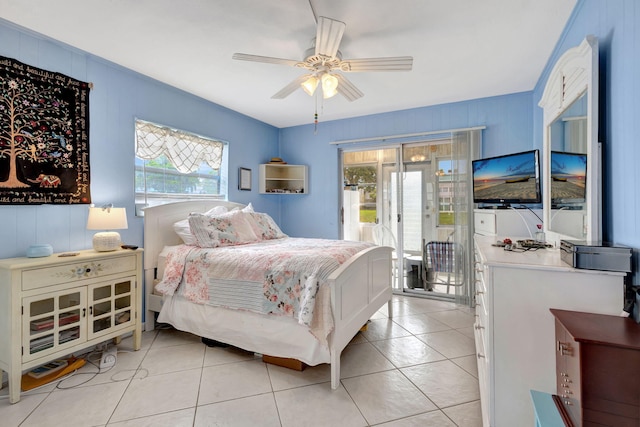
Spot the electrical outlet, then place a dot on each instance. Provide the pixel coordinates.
(109, 358)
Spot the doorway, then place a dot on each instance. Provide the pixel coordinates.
(407, 195)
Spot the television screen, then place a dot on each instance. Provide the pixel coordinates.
(512, 178)
(568, 178)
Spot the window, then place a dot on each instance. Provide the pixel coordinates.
(174, 165)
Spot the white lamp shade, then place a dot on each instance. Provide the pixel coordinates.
(329, 85)
(107, 219)
(310, 85)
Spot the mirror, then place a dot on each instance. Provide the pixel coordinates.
(571, 153)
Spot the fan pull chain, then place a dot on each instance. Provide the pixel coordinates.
(315, 123)
(315, 116)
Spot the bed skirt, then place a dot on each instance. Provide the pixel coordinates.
(271, 335)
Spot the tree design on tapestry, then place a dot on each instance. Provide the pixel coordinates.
(43, 136)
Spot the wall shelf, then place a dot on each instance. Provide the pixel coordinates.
(283, 179)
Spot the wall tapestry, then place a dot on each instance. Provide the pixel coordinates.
(44, 136)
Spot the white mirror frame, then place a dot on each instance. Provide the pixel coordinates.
(575, 74)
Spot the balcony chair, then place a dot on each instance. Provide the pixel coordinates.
(443, 264)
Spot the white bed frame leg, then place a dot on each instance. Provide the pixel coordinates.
(335, 370)
(390, 309)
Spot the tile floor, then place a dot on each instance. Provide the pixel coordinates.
(418, 369)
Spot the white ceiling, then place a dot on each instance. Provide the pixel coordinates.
(462, 49)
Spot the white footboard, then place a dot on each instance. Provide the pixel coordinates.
(358, 289)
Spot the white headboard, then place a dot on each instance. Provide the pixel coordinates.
(159, 220)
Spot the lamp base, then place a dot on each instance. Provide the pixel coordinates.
(106, 241)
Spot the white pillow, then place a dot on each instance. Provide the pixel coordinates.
(217, 210)
(183, 230)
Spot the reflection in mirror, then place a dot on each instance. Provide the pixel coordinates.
(571, 157)
(568, 168)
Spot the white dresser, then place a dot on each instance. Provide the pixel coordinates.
(54, 306)
(514, 329)
(521, 223)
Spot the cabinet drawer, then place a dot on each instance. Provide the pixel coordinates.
(481, 309)
(485, 223)
(75, 271)
(482, 349)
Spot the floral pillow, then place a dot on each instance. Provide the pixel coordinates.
(264, 226)
(231, 228)
(183, 230)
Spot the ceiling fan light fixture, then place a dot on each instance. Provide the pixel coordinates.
(329, 85)
(310, 85)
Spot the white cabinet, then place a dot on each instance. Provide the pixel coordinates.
(514, 329)
(54, 306)
(519, 223)
(283, 179)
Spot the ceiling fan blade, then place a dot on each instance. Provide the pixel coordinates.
(291, 87)
(347, 89)
(328, 36)
(265, 59)
(392, 63)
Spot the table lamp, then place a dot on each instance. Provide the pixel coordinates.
(106, 218)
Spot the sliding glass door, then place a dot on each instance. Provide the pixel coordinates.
(412, 196)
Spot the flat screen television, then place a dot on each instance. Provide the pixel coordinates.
(568, 178)
(512, 178)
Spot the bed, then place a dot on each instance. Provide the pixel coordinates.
(356, 289)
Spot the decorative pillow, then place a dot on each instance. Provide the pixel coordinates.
(183, 230)
(265, 227)
(231, 228)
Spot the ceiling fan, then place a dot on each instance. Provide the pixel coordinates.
(324, 62)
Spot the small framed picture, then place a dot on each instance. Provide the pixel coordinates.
(244, 179)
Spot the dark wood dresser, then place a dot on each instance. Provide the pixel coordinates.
(597, 369)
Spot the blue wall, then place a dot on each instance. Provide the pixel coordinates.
(118, 97)
(508, 121)
(616, 24)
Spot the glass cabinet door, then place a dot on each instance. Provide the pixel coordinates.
(53, 321)
(110, 306)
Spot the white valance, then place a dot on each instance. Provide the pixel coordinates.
(186, 151)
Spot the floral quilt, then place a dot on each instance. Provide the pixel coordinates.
(285, 277)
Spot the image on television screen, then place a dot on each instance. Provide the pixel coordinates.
(513, 178)
(568, 177)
